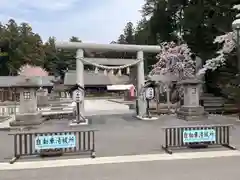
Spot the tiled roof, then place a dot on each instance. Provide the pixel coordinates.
(91, 78)
(9, 81)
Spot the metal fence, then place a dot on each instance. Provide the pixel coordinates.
(25, 143)
(174, 137)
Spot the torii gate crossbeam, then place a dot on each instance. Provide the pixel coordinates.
(139, 49)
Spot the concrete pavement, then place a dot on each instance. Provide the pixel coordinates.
(198, 169)
(52, 163)
(121, 135)
(118, 135)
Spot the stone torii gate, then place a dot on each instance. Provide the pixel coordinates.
(139, 49)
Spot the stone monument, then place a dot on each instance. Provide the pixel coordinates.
(191, 109)
(28, 112)
(42, 98)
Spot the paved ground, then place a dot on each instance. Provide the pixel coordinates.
(121, 134)
(197, 169)
(102, 104)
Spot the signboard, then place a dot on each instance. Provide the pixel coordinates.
(55, 141)
(203, 135)
(78, 95)
(149, 93)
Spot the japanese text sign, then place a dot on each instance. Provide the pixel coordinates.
(55, 141)
(203, 135)
(149, 93)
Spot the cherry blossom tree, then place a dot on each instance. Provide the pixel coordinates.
(228, 45)
(174, 59)
(237, 7)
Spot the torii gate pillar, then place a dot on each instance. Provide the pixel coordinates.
(142, 104)
(80, 74)
(139, 49)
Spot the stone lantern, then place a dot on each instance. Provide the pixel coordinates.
(191, 109)
(28, 112)
(42, 98)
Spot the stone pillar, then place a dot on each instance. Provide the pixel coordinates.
(191, 109)
(142, 105)
(42, 98)
(80, 74)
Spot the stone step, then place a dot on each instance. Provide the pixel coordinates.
(213, 103)
(212, 98)
(56, 108)
(208, 95)
(213, 107)
(230, 105)
(214, 110)
(227, 108)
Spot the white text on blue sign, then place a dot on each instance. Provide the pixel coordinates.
(203, 135)
(55, 141)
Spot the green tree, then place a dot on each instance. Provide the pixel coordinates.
(121, 39)
(31, 46)
(59, 60)
(51, 56)
(24, 46)
(11, 35)
(129, 33)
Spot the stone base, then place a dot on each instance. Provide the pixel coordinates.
(145, 118)
(132, 106)
(75, 123)
(28, 119)
(192, 113)
(47, 108)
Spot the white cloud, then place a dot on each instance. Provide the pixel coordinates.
(41, 4)
(99, 22)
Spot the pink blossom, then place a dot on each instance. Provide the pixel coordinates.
(28, 70)
(227, 47)
(174, 59)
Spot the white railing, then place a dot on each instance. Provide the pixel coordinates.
(8, 110)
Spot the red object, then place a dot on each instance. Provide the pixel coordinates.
(132, 93)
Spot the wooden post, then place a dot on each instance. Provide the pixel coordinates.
(157, 99)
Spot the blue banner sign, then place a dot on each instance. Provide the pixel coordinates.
(55, 141)
(203, 135)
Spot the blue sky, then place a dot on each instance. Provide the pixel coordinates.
(99, 21)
